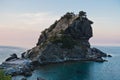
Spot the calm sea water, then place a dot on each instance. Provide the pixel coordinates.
(6, 51)
(75, 70)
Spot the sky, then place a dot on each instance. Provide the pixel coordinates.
(21, 21)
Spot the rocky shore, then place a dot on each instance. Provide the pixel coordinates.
(17, 67)
(65, 40)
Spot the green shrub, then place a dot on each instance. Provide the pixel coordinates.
(67, 41)
(55, 40)
(61, 31)
(3, 77)
(68, 15)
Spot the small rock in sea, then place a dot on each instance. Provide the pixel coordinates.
(109, 56)
(12, 56)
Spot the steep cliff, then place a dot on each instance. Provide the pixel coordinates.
(66, 39)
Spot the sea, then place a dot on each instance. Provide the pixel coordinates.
(109, 70)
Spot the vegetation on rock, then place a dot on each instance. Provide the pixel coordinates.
(65, 40)
(3, 77)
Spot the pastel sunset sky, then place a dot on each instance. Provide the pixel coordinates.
(21, 21)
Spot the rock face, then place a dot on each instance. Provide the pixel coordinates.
(66, 39)
(17, 67)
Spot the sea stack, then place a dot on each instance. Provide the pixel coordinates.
(65, 40)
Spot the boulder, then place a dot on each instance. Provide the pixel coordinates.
(109, 55)
(12, 56)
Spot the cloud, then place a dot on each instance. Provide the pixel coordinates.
(36, 18)
(27, 20)
(23, 29)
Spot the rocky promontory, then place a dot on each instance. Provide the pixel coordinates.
(66, 40)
